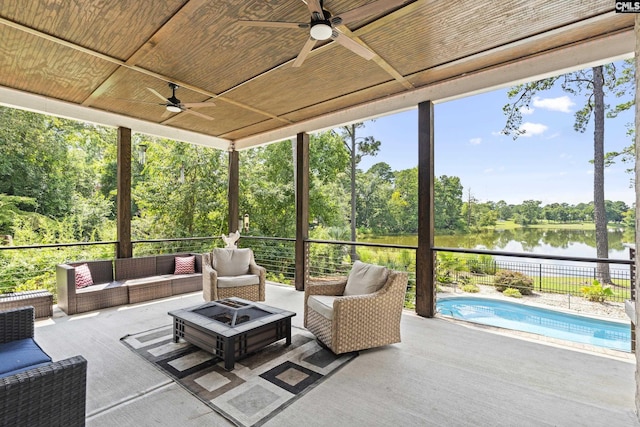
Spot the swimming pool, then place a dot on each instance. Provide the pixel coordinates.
(550, 323)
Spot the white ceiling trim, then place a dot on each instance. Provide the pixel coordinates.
(41, 104)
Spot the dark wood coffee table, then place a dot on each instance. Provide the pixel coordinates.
(232, 328)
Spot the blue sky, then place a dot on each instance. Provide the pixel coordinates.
(550, 163)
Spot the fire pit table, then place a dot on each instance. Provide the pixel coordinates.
(232, 328)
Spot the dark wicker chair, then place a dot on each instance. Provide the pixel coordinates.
(49, 395)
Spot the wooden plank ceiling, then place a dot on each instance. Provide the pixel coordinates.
(106, 55)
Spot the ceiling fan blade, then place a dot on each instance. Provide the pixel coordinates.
(306, 49)
(153, 91)
(166, 114)
(198, 104)
(352, 45)
(367, 10)
(195, 113)
(314, 7)
(274, 24)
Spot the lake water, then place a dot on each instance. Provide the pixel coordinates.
(575, 243)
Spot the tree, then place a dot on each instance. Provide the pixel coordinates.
(404, 201)
(592, 83)
(358, 147)
(375, 189)
(183, 193)
(530, 211)
(447, 200)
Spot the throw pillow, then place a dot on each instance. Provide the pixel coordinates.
(185, 265)
(83, 276)
(231, 262)
(365, 279)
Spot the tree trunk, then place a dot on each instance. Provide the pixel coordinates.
(352, 221)
(600, 216)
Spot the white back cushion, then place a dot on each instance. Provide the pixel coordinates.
(365, 279)
(231, 262)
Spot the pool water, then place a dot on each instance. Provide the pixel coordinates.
(550, 323)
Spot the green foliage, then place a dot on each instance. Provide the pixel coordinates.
(482, 264)
(447, 267)
(596, 292)
(511, 292)
(471, 288)
(447, 200)
(513, 279)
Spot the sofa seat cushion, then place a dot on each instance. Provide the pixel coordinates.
(99, 287)
(322, 304)
(148, 280)
(21, 355)
(234, 281)
(183, 283)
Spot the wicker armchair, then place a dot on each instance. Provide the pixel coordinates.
(51, 394)
(232, 273)
(354, 322)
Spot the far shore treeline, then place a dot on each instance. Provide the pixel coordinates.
(58, 184)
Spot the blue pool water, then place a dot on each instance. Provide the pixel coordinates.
(550, 323)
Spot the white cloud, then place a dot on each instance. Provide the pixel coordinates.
(489, 170)
(525, 111)
(562, 103)
(531, 129)
(475, 141)
(497, 133)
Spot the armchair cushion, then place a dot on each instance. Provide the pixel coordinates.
(365, 279)
(231, 262)
(21, 355)
(242, 280)
(323, 304)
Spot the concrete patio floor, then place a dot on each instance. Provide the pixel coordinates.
(443, 373)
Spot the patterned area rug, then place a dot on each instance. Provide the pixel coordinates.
(261, 384)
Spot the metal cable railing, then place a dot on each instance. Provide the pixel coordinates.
(33, 267)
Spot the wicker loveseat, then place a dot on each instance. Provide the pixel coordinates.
(125, 281)
(232, 273)
(357, 312)
(34, 391)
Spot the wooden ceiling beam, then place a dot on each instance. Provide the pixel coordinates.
(388, 68)
(133, 67)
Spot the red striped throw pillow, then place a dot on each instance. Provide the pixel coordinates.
(83, 276)
(185, 264)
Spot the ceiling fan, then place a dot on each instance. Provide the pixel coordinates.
(174, 105)
(322, 25)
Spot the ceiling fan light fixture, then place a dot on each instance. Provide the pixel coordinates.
(321, 30)
(173, 108)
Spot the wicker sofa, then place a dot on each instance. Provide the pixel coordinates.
(34, 391)
(125, 281)
(368, 316)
